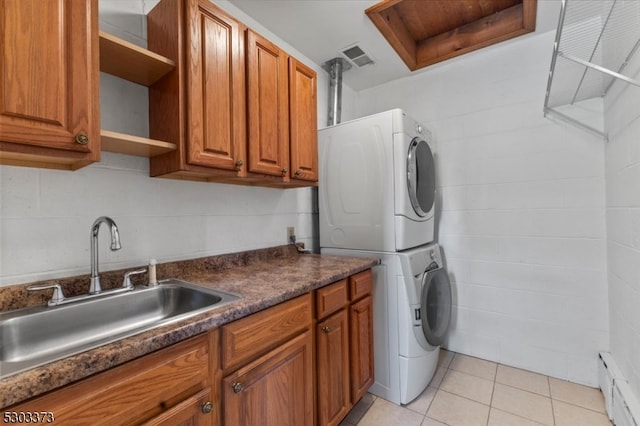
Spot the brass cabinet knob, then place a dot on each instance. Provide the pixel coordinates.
(285, 171)
(326, 329)
(298, 172)
(239, 164)
(82, 139)
(207, 407)
(237, 387)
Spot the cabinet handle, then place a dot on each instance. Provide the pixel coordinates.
(285, 171)
(207, 407)
(326, 329)
(298, 172)
(239, 164)
(237, 387)
(82, 139)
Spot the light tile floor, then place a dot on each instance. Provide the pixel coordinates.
(471, 391)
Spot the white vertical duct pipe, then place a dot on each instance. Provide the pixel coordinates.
(335, 67)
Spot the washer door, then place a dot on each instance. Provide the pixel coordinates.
(421, 177)
(435, 306)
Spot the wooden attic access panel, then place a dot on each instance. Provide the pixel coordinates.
(426, 32)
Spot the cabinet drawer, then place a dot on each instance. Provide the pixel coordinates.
(360, 284)
(190, 412)
(331, 298)
(246, 338)
(134, 392)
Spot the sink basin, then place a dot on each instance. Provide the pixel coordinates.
(34, 336)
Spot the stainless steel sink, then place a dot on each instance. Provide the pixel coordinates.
(34, 336)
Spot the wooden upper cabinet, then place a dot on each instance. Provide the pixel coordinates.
(200, 105)
(216, 87)
(303, 126)
(268, 112)
(239, 108)
(49, 110)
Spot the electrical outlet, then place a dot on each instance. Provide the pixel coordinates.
(291, 235)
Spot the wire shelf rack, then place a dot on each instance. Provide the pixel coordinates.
(595, 42)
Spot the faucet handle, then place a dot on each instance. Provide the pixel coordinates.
(56, 298)
(126, 283)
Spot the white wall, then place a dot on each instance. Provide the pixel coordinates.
(522, 220)
(46, 215)
(622, 121)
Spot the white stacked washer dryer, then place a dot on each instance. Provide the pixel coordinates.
(377, 200)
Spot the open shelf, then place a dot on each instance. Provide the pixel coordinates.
(133, 145)
(134, 63)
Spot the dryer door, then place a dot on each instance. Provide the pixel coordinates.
(421, 177)
(435, 305)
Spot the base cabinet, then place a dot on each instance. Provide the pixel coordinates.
(332, 352)
(170, 387)
(267, 359)
(361, 346)
(277, 388)
(190, 412)
(344, 346)
(281, 366)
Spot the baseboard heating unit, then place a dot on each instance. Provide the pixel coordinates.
(622, 405)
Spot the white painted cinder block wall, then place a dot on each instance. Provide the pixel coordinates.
(622, 121)
(46, 215)
(522, 220)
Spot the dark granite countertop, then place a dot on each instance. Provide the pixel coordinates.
(262, 277)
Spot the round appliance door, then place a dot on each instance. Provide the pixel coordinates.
(435, 306)
(421, 177)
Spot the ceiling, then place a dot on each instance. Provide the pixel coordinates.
(320, 29)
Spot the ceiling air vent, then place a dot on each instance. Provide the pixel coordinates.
(356, 56)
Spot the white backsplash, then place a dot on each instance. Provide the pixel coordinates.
(46, 215)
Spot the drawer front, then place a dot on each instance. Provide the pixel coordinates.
(248, 337)
(331, 298)
(360, 284)
(133, 392)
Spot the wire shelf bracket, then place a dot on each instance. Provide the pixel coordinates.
(593, 38)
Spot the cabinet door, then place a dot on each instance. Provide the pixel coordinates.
(49, 83)
(215, 77)
(194, 411)
(268, 111)
(361, 328)
(276, 389)
(136, 391)
(303, 126)
(332, 357)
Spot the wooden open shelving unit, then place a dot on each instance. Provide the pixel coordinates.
(139, 65)
(133, 145)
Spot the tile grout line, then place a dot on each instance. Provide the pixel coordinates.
(493, 391)
(553, 411)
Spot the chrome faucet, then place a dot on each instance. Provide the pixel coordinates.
(95, 287)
